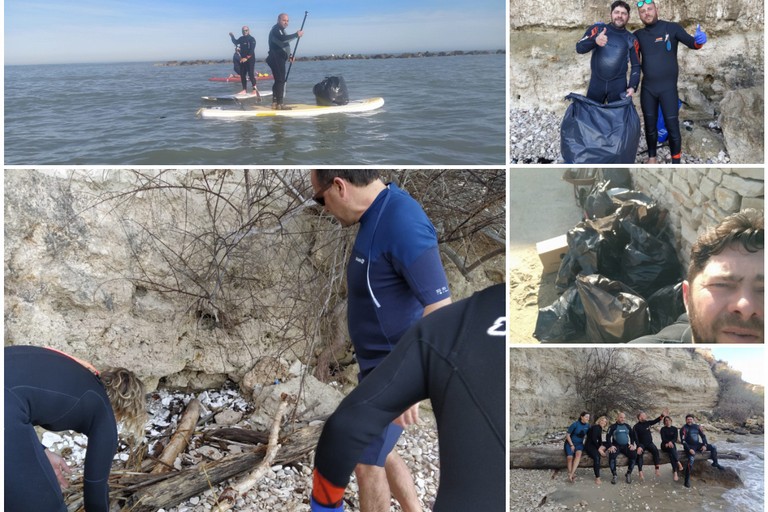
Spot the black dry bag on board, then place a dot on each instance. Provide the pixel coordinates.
(592, 133)
(331, 91)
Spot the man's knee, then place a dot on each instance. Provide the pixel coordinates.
(367, 473)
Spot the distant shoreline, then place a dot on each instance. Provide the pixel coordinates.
(346, 56)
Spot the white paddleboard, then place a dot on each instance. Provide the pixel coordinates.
(238, 96)
(297, 110)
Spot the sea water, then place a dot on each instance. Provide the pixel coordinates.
(438, 111)
(751, 470)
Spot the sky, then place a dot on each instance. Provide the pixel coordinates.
(47, 31)
(750, 361)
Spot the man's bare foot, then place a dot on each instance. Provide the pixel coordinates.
(657, 472)
(597, 481)
(674, 476)
(642, 478)
(651, 160)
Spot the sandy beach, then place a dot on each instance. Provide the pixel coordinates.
(548, 491)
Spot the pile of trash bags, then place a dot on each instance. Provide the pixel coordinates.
(620, 278)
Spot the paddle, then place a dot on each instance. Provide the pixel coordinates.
(290, 64)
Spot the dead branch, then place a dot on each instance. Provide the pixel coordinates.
(227, 499)
(180, 439)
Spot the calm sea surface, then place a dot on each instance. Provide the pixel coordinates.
(438, 110)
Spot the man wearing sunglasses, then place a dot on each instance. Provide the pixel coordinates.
(612, 46)
(394, 277)
(658, 48)
(247, 46)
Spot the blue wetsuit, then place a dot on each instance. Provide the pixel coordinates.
(394, 271)
(658, 47)
(48, 389)
(693, 438)
(456, 358)
(609, 62)
(578, 432)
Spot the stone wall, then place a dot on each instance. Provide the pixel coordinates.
(699, 198)
(543, 398)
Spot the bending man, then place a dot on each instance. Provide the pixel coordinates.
(456, 358)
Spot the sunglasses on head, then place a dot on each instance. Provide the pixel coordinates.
(644, 2)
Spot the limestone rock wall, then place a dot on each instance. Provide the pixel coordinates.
(77, 270)
(699, 198)
(543, 399)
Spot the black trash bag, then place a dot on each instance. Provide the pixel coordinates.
(648, 263)
(615, 313)
(592, 133)
(563, 320)
(618, 178)
(593, 248)
(598, 202)
(666, 305)
(331, 91)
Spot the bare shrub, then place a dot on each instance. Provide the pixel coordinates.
(607, 382)
(737, 400)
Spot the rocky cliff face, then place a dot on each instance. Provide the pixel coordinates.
(722, 82)
(543, 397)
(146, 281)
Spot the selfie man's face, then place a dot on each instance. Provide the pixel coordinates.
(648, 14)
(725, 300)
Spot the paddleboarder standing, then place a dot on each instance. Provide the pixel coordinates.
(247, 46)
(279, 53)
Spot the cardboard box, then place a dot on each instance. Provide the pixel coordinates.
(551, 252)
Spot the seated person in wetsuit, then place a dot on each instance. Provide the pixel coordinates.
(668, 440)
(621, 439)
(694, 440)
(645, 440)
(574, 443)
(612, 46)
(455, 356)
(47, 388)
(595, 446)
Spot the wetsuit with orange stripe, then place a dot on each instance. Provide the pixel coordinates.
(456, 357)
(53, 390)
(658, 48)
(609, 62)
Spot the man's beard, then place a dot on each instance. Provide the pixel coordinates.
(708, 334)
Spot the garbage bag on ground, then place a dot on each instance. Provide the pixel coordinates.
(593, 248)
(647, 263)
(592, 133)
(563, 320)
(615, 313)
(331, 91)
(618, 178)
(666, 305)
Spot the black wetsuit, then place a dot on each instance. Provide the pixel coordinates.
(678, 332)
(455, 356)
(645, 441)
(693, 438)
(48, 389)
(592, 444)
(621, 436)
(669, 435)
(609, 62)
(658, 46)
(279, 52)
(247, 51)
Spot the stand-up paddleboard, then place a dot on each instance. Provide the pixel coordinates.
(236, 78)
(296, 110)
(238, 97)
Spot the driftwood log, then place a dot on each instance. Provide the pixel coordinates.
(180, 438)
(553, 457)
(148, 493)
